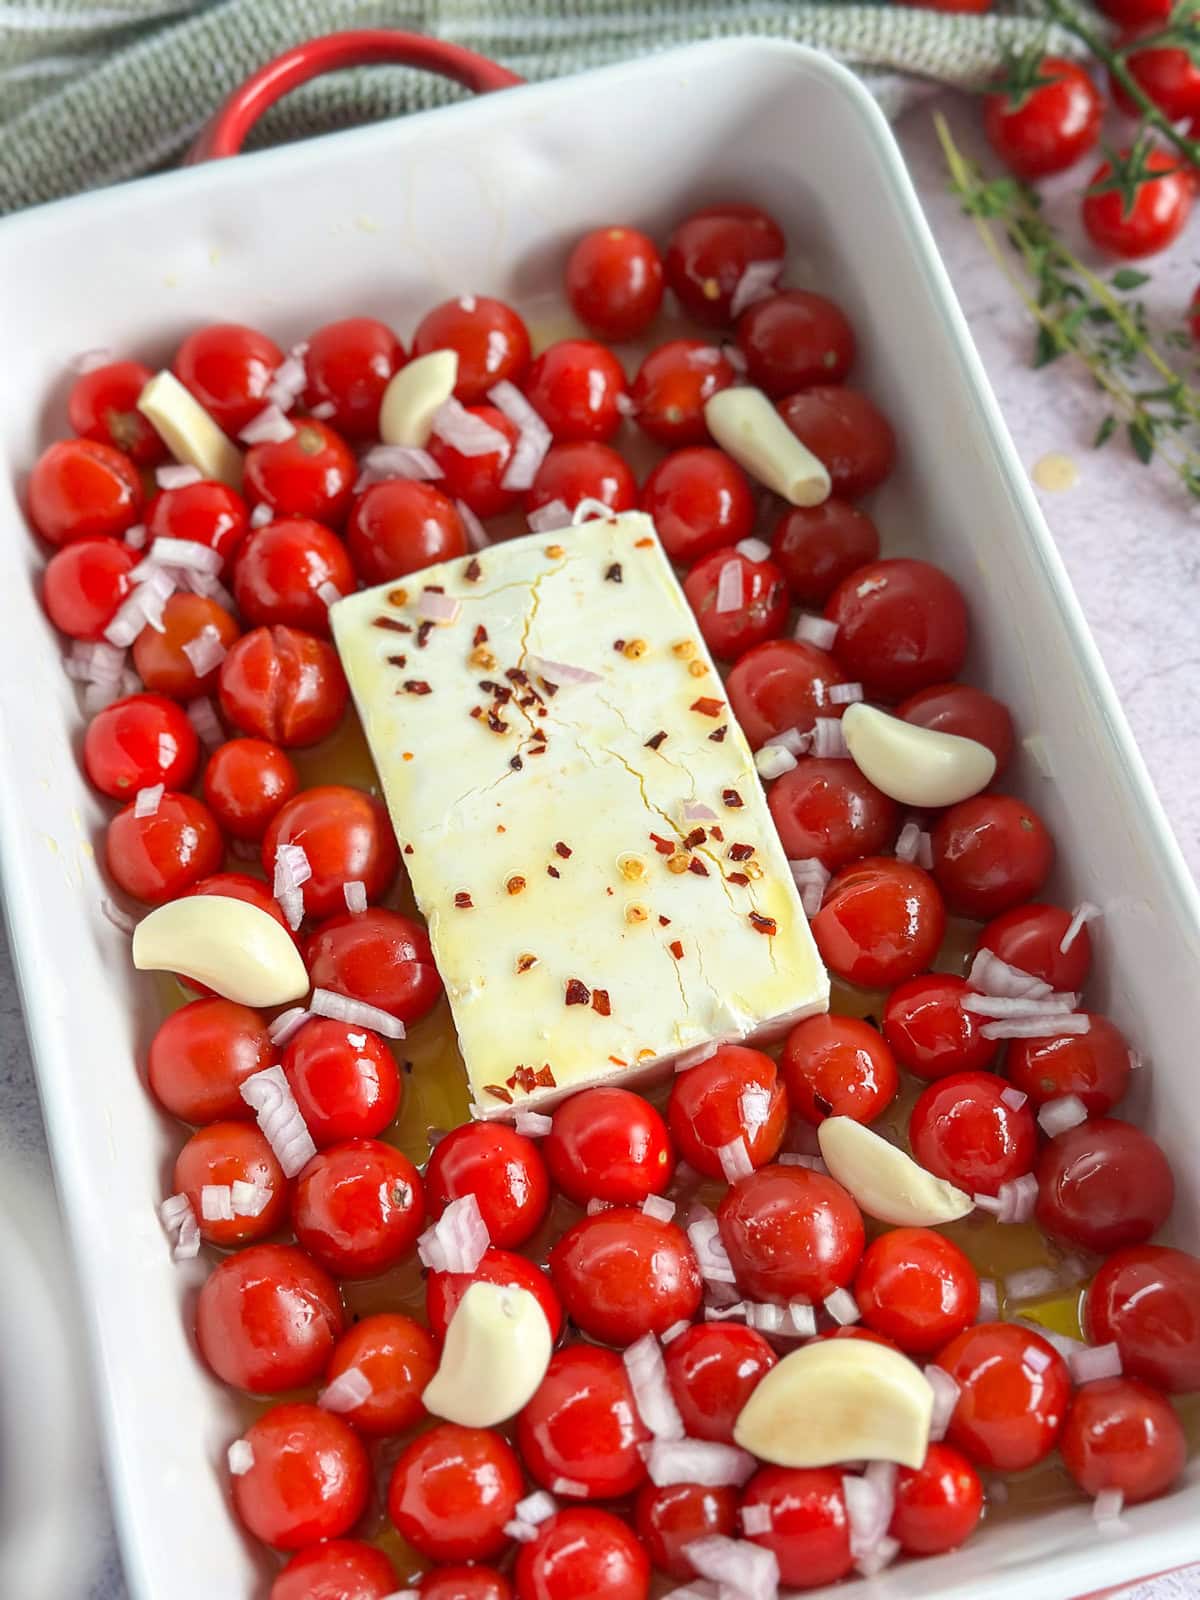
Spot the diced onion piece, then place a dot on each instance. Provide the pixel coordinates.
(908, 842)
(651, 1391)
(270, 426)
(879, 1556)
(803, 1318)
(705, 1237)
(288, 381)
(793, 1158)
(477, 534)
(711, 1464)
(735, 1159)
(549, 518)
(561, 672)
(205, 651)
(765, 1316)
(842, 1307)
(925, 852)
(828, 739)
(288, 1023)
(202, 715)
(697, 811)
(521, 1532)
(147, 802)
(869, 1510)
(292, 867)
(189, 553)
(589, 509)
(731, 593)
(749, 1571)
(1052, 1026)
(119, 918)
(757, 281)
(733, 354)
(328, 592)
(269, 1096)
(388, 461)
(595, 1206)
(1013, 1098)
(715, 1313)
(458, 1240)
(249, 1199)
(467, 433)
(693, 1058)
(753, 549)
(177, 475)
(674, 1331)
(144, 606)
(240, 1457)
(355, 895)
(845, 694)
(746, 425)
(811, 878)
(291, 903)
(216, 1202)
(1063, 1112)
(1085, 911)
(536, 1507)
(533, 440)
(997, 1005)
(754, 1104)
(989, 1300)
(89, 360)
(532, 1124)
(325, 1003)
(1014, 1201)
(990, 975)
(657, 1206)
(571, 1486)
(435, 607)
(262, 514)
(945, 1398)
(1031, 1283)
(1095, 1361)
(791, 739)
(347, 1392)
(772, 761)
(815, 630)
(183, 1230)
(756, 1519)
(1106, 1510)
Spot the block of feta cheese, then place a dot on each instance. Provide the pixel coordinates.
(579, 812)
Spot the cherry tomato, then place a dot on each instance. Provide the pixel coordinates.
(309, 1479)
(1165, 73)
(283, 685)
(156, 857)
(1013, 1393)
(902, 625)
(1103, 1185)
(379, 957)
(1030, 937)
(1122, 1434)
(962, 709)
(349, 365)
(609, 1144)
(228, 368)
(938, 1505)
(790, 1233)
(204, 513)
(397, 1357)
(85, 583)
(200, 1056)
(917, 1288)
(1094, 1065)
(452, 1491)
(310, 474)
(267, 1319)
(503, 1170)
(162, 659)
(670, 389)
(1133, 13)
(336, 1569)
(281, 570)
(733, 1096)
(102, 407)
(583, 1551)
(1146, 1300)
(838, 1067)
(465, 1583)
(931, 1034)
(700, 500)
(847, 433)
(782, 684)
(1162, 202)
(614, 281)
(477, 480)
(622, 1273)
(575, 386)
(828, 810)
(358, 1207)
(669, 1518)
(809, 1528)
(400, 526)
(713, 1369)
(81, 490)
(444, 1290)
(347, 838)
(759, 616)
(816, 547)
(881, 922)
(491, 341)
(579, 1434)
(223, 1154)
(710, 250)
(246, 782)
(989, 854)
(1045, 124)
(137, 742)
(793, 339)
(345, 1080)
(963, 1130)
(583, 470)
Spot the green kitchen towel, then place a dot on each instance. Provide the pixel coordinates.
(94, 91)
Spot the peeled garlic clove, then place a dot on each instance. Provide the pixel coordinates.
(495, 1354)
(413, 396)
(917, 766)
(887, 1183)
(188, 431)
(228, 945)
(747, 427)
(838, 1400)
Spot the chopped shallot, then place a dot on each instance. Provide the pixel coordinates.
(536, 1507)
(908, 845)
(811, 878)
(700, 1461)
(1030, 1283)
(803, 1318)
(735, 1159)
(945, 1398)
(560, 672)
(435, 607)
(869, 1506)
(202, 715)
(347, 1391)
(571, 1486)
(270, 426)
(754, 1104)
(1051, 1026)
(697, 811)
(355, 895)
(733, 354)
(990, 975)
(147, 801)
(828, 739)
(674, 1331)
(119, 918)
(842, 1307)
(1085, 911)
(791, 740)
(589, 509)
(177, 475)
(731, 594)
(189, 553)
(262, 514)
(756, 1519)
(467, 433)
(1063, 1112)
(765, 1316)
(1014, 1099)
(1107, 1509)
(753, 549)
(287, 1024)
(288, 382)
(879, 1556)
(657, 1206)
(532, 1124)
(702, 1231)
(996, 1005)
(269, 1096)
(1095, 1361)
(651, 1391)
(750, 1571)
(772, 761)
(458, 1240)
(757, 281)
(477, 534)
(328, 592)
(533, 436)
(323, 410)
(386, 461)
(549, 518)
(989, 1300)
(815, 630)
(693, 1058)
(240, 1457)
(216, 1202)
(205, 651)
(183, 1230)
(249, 1199)
(845, 694)
(325, 1003)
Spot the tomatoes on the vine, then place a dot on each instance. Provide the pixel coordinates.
(1165, 73)
(1043, 116)
(1137, 203)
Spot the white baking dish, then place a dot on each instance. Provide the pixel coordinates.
(486, 196)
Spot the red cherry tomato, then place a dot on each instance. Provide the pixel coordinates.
(816, 547)
(713, 1369)
(962, 709)
(465, 1583)
(452, 1491)
(156, 857)
(1162, 203)
(281, 570)
(1122, 1434)
(310, 474)
(938, 1505)
(583, 470)
(444, 1290)
(1042, 126)
(700, 501)
(491, 341)
(782, 684)
(614, 281)
(882, 921)
(283, 685)
(162, 659)
(336, 1569)
(622, 1273)
(676, 1515)
(1029, 937)
(793, 339)
(575, 386)
(917, 1288)
(348, 365)
(902, 625)
(609, 1144)
(963, 1130)
(809, 1528)
(379, 957)
(931, 1034)
(201, 1054)
(345, 1080)
(478, 480)
(791, 1234)
(1103, 1185)
(828, 810)
(81, 490)
(1010, 1407)
(223, 1154)
(1093, 1065)
(137, 742)
(671, 387)
(400, 526)
(1165, 73)
(733, 1096)
(579, 1434)
(347, 838)
(1133, 13)
(583, 1551)
(761, 614)
(397, 1357)
(267, 1319)
(309, 1479)
(710, 250)
(989, 854)
(205, 513)
(503, 1170)
(85, 583)
(1146, 1300)
(246, 782)
(102, 406)
(228, 368)
(838, 1067)
(358, 1207)
(847, 433)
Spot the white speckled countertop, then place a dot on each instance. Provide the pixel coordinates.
(1131, 541)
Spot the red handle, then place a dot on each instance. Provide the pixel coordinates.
(364, 47)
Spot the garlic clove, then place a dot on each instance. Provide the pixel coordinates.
(495, 1354)
(188, 431)
(229, 945)
(412, 398)
(917, 766)
(887, 1183)
(747, 426)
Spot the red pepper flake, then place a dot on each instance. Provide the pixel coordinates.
(550, 688)
(707, 706)
(392, 624)
(697, 866)
(416, 686)
(618, 645)
(718, 734)
(472, 573)
(515, 675)
(498, 1092)
(697, 836)
(655, 739)
(732, 798)
(554, 872)
(578, 994)
(463, 900)
(398, 661)
(408, 849)
(664, 846)
(643, 544)
(501, 691)
(423, 633)
(496, 722)
(613, 575)
(434, 588)
(740, 852)
(676, 948)
(544, 1078)
(476, 711)
(717, 834)
(539, 734)
(516, 763)
(564, 850)
(538, 750)
(600, 1002)
(763, 924)
(664, 922)
(523, 1078)
(738, 878)
(479, 636)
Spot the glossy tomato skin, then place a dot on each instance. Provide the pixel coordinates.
(881, 922)
(1161, 207)
(357, 1207)
(400, 526)
(84, 584)
(582, 1427)
(157, 857)
(790, 1233)
(838, 1067)
(336, 1569)
(345, 1080)
(847, 433)
(81, 490)
(1133, 13)
(349, 365)
(761, 615)
(283, 685)
(309, 1480)
(1103, 1185)
(964, 1131)
(782, 684)
(503, 1170)
(379, 957)
(1009, 1412)
(228, 368)
(700, 500)
(206, 513)
(614, 281)
(478, 481)
(917, 1288)
(965, 710)
(444, 1290)
(816, 547)
(227, 1153)
(706, 1109)
(1146, 1300)
(574, 387)
(1029, 937)
(309, 475)
(1122, 1434)
(810, 1527)
(990, 853)
(160, 658)
(930, 1033)
(1166, 74)
(608, 1144)
(201, 1054)
(491, 341)
(280, 569)
(793, 339)
(1051, 126)
(938, 1505)
(622, 1273)
(469, 1582)
(1094, 1065)
(582, 470)
(583, 1551)
(671, 387)
(669, 1518)
(246, 782)
(397, 1357)
(267, 1319)
(452, 1490)
(713, 1368)
(902, 625)
(347, 838)
(710, 250)
(137, 742)
(826, 809)
(102, 407)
